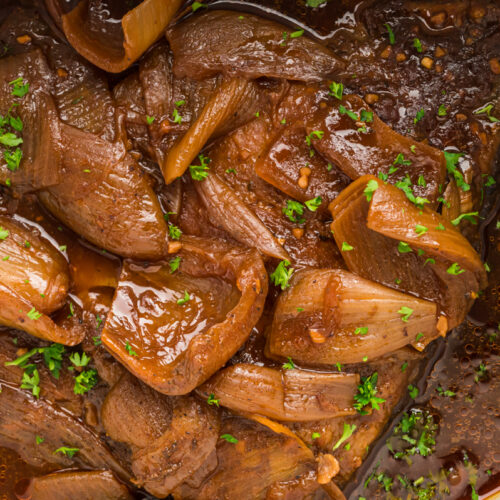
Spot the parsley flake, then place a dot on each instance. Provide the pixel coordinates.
(405, 312)
(336, 90)
(314, 204)
(346, 434)
(282, 274)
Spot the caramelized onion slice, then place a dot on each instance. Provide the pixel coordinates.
(332, 316)
(106, 197)
(392, 241)
(169, 437)
(34, 282)
(22, 417)
(40, 165)
(196, 318)
(228, 211)
(289, 395)
(85, 485)
(232, 96)
(221, 41)
(370, 147)
(116, 50)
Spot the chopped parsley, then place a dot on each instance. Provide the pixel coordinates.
(406, 186)
(129, 349)
(296, 34)
(351, 114)
(346, 247)
(420, 114)
(289, 365)
(451, 167)
(417, 44)
(420, 230)
(392, 38)
(176, 116)
(294, 207)
(400, 160)
(413, 391)
(489, 181)
(69, 452)
(200, 172)
(336, 90)
(13, 159)
(315, 3)
(19, 87)
(346, 434)
(442, 110)
(414, 435)
(174, 232)
(282, 274)
(370, 188)
(212, 401)
(184, 299)
(197, 5)
(487, 109)
(85, 381)
(455, 269)
(4, 233)
(78, 359)
(150, 119)
(405, 312)
(33, 314)
(314, 204)
(229, 438)
(174, 264)
(361, 330)
(404, 247)
(366, 394)
(314, 135)
(469, 216)
(446, 393)
(31, 380)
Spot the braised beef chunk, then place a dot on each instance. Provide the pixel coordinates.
(234, 243)
(248, 450)
(170, 437)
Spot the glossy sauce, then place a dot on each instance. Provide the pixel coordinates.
(147, 302)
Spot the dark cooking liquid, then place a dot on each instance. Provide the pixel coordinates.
(468, 440)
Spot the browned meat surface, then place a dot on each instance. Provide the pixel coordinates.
(255, 452)
(170, 438)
